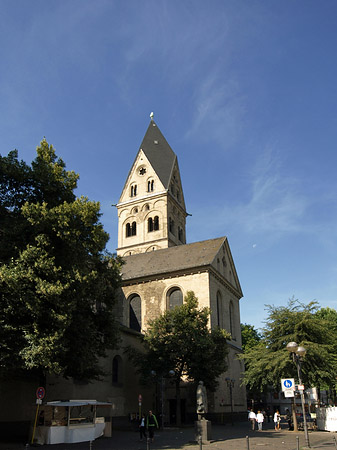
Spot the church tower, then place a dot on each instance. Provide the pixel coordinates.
(151, 208)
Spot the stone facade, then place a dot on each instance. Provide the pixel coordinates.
(160, 268)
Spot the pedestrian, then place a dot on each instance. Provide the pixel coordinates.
(151, 424)
(252, 418)
(142, 428)
(259, 420)
(277, 420)
(289, 419)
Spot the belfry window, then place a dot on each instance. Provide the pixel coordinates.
(171, 226)
(150, 186)
(131, 229)
(153, 224)
(133, 191)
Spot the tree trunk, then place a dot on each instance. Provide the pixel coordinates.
(178, 404)
(293, 410)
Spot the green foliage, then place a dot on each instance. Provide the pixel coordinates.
(250, 336)
(57, 283)
(269, 360)
(180, 340)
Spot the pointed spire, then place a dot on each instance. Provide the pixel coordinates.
(151, 115)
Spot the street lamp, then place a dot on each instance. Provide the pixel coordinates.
(230, 384)
(298, 351)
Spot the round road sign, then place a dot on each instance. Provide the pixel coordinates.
(40, 392)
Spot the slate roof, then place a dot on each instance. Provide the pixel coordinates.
(172, 259)
(160, 154)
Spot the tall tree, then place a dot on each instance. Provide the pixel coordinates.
(269, 361)
(180, 340)
(57, 282)
(250, 336)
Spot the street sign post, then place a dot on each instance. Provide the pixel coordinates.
(288, 384)
(40, 393)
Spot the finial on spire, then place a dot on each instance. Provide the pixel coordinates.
(151, 116)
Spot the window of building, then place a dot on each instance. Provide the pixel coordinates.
(171, 226)
(131, 229)
(231, 320)
(156, 223)
(133, 191)
(150, 186)
(117, 370)
(219, 309)
(136, 313)
(174, 298)
(180, 234)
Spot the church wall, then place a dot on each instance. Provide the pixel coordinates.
(123, 393)
(153, 294)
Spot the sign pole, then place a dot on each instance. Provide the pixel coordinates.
(40, 393)
(37, 411)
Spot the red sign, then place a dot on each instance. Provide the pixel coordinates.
(40, 392)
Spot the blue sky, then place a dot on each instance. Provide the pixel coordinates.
(244, 92)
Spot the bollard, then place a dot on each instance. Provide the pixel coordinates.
(247, 441)
(297, 443)
(148, 444)
(200, 442)
(335, 442)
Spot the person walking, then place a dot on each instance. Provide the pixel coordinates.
(259, 420)
(142, 429)
(277, 420)
(151, 424)
(252, 419)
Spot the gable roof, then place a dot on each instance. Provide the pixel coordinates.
(197, 255)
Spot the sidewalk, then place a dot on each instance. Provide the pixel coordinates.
(224, 437)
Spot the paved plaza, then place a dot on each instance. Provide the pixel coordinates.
(224, 437)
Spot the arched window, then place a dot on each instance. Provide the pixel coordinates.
(131, 229)
(219, 309)
(128, 230)
(150, 185)
(180, 234)
(231, 320)
(174, 298)
(136, 313)
(171, 225)
(133, 190)
(153, 224)
(117, 370)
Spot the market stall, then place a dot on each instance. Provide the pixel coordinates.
(69, 421)
(327, 418)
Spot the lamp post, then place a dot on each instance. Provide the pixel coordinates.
(230, 384)
(297, 352)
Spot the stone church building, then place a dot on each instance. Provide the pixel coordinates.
(160, 268)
